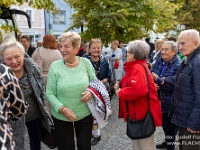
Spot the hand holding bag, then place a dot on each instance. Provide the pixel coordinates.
(144, 128)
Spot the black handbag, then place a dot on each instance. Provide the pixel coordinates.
(144, 128)
(49, 138)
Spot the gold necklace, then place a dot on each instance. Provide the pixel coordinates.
(71, 64)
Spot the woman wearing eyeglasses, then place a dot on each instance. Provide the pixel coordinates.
(133, 90)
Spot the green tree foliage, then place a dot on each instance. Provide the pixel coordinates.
(121, 19)
(38, 4)
(189, 14)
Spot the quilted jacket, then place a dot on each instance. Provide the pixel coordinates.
(186, 97)
(166, 90)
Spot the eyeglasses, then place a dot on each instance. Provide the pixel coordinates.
(129, 52)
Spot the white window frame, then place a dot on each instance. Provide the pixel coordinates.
(32, 14)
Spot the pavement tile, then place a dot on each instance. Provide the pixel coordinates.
(113, 136)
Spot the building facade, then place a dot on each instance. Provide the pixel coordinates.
(43, 23)
(58, 23)
(37, 30)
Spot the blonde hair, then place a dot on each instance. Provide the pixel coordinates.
(10, 41)
(115, 42)
(96, 40)
(92, 41)
(73, 37)
(158, 42)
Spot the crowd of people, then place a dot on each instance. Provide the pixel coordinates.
(60, 79)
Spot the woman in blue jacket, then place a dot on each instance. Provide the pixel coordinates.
(103, 73)
(166, 66)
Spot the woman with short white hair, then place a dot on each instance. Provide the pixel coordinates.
(32, 85)
(133, 92)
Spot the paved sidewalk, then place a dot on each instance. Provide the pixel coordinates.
(113, 136)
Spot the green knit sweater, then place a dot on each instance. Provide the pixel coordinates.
(65, 85)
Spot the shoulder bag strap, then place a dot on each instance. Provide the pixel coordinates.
(86, 68)
(148, 93)
(148, 86)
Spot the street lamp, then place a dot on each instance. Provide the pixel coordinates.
(83, 23)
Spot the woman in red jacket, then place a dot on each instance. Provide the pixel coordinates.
(134, 89)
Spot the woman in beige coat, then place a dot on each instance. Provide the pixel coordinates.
(47, 54)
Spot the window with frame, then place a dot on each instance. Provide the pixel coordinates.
(59, 18)
(31, 14)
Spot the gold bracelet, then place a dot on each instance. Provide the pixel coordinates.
(63, 109)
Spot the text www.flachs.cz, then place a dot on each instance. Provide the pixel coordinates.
(184, 143)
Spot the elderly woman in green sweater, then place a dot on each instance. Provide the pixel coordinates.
(67, 82)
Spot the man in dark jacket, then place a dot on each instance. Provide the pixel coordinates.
(152, 47)
(25, 40)
(186, 98)
(166, 66)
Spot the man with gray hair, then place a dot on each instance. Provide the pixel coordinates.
(166, 66)
(185, 108)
